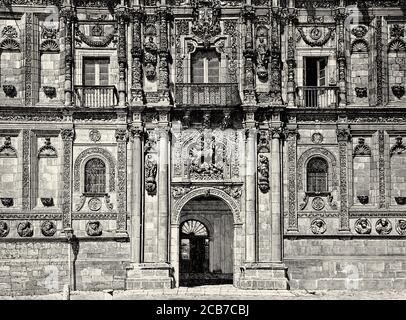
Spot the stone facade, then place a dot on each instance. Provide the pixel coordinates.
(278, 125)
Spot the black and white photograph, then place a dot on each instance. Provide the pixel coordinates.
(173, 150)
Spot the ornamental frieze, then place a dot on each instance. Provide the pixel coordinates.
(315, 36)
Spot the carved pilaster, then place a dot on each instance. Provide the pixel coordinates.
(26, 186)
(67, 136)
(379, 63)
(340, 16)
(343, 136)
(276, 63)
(291, 137)
(122, 16)
(290, 15)
(381, 166)
(68, 16)
(163, 78)
(136, 52)
(121, 137)
(249, 54)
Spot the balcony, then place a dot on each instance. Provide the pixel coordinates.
(96, 96)
(317, 97)
(207, 94)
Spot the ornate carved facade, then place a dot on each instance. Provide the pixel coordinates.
(277, 125)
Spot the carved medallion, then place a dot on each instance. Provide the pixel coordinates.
(95, 204)
(363, 226)
(48, 228)
(316, 33)
(401, 227)
(318, 226)
(94, 135)
(318, 203)
(383, 226)
(317, 138)
(4, 229)
(25, 229)
(94, 228)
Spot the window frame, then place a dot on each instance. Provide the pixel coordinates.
(97, 66)
(312, 189)
(85, 177)
(205, 68)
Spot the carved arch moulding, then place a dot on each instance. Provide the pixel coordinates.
(206, 191)
(97, 152)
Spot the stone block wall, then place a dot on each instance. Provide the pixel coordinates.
(40, 267)
(346, 264)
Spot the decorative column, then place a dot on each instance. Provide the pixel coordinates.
(163, 78)
(121, 137)
(67, 136)
(379, 62)
(248, 14)
(136, 52)
(137, 185)
(276, 210)
(250, 188)
(26, 183)
(163, 187)
(291, 137)
(342, 138)
(68, 15)
(340, 17)
(122, 16)
(276, 63)
(290, 14)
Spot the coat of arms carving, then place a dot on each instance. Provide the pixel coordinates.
(206, 24)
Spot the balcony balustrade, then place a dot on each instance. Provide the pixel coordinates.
(317, 97)
(207, 94)
(96, 96)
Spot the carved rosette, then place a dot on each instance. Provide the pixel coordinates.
(94, 228)
(318, 226)
(383, 226)
(4, 229)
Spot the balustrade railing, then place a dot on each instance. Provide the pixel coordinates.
(317, 97)
(207, 94)
(96, 96)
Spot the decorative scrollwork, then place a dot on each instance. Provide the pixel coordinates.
(263, 170)
(401, 227)
(321, 41)
(150, 174)
(47, 150)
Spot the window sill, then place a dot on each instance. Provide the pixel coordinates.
(94, 194)
(318, 194)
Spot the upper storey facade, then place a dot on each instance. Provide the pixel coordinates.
(202, 53)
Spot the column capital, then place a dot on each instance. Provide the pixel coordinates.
(289, 14)
(136, 132)
(67, 134)
(121, 135)
(340, 14)
(122, 14)
(251, 133)
(343, 135)
(276, 133)
(291, 133)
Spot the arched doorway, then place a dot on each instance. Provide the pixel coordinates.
(206, 235)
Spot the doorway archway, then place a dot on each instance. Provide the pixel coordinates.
(206, 235)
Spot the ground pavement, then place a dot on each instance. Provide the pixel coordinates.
(218, 292)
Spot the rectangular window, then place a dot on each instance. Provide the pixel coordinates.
(205, 66)
(96, 71)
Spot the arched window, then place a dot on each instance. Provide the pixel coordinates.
(205, 66)
(95, 176)
(317, 175)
